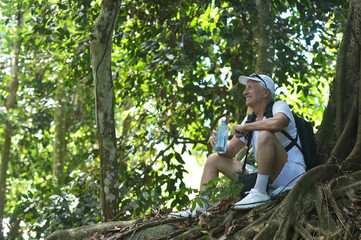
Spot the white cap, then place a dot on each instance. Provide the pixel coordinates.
(264, 79)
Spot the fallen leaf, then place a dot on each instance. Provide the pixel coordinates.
(182, 225)
(96, 236)
(229, 230)
(118, 227)
(225, 203)
(222, 237)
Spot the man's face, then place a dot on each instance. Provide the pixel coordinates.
(254, 93)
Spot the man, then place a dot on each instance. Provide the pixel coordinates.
(277, 169)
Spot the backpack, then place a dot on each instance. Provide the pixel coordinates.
(304, 131)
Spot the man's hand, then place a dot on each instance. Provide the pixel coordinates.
(213, 139)
(240, 130)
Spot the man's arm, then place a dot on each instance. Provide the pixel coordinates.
(233, 146)
(273, 124)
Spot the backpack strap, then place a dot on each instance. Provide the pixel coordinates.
(268, 113)
(250, 118)
(293, 141)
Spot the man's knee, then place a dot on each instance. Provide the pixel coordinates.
(212, 159)
(266, 137)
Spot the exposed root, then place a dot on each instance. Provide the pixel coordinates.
(326, 220)
(314, 209)
(193, 232)
(299, 202)
(252, 229)
(324, 204)
(304, 232)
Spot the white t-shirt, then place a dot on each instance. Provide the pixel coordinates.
(294, 154)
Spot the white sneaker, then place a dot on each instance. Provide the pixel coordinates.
(200, 209)
(181, 214)
(279, 190)
(189, 212)
(253, 199)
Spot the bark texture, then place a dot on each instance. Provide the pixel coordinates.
(101, 49)
(84, 232)
(340, 128)
(266, 50)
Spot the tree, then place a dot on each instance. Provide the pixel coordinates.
(47, 51)
(325, 201)
(175, 67)
(60, 120)
(101, 49)
(10, 104)
(295, 215)
(266, 50)
(337, 138)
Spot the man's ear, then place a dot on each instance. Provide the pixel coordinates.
(267, 93)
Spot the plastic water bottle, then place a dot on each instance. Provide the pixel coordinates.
(222, 138)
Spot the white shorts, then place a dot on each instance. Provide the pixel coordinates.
(288, 176)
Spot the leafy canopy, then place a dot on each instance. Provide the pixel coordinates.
(175, 70)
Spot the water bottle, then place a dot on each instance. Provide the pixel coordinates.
(222, 138)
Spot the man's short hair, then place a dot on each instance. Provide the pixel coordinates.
(266, 82)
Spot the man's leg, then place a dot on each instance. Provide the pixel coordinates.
(217, 163)
(271, 157)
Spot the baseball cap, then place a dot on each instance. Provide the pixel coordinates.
(264, 79)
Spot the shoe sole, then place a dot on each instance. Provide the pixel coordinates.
(249, 205)
(175, 215)
(275, 193)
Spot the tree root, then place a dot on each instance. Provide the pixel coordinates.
(252, 229)
(302, 231)
(81, 233)
(298, 202)
(323, 204)
(316, 207)
(140, 227)
(329, 201)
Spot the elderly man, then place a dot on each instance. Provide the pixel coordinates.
(277, 167)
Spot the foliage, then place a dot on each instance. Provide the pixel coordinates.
(176, 66)
(179, 75)
(47, 208)
(219, 188)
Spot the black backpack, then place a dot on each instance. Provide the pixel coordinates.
(304, 131)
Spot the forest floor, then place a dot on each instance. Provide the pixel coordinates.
(222, 221)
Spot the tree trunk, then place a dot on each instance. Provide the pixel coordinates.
(266, 49)
(60, 118)
(341, 126)
(10, 103)
(101, 49)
